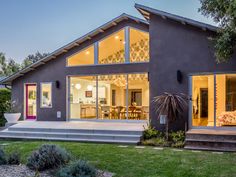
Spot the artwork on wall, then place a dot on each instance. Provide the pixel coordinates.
(88, 94)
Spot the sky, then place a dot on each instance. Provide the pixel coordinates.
(28, 26)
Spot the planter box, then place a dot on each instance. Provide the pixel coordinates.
(12, 117)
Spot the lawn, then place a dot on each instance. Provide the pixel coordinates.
(147, 162)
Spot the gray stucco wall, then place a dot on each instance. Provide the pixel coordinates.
(56, 70)
(174, 46)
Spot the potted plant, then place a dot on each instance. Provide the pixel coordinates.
(11, 115)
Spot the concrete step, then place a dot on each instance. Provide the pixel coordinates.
(70, 139)
(71, 135)
(88, 131)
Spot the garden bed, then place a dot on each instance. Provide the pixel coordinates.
(24, 171)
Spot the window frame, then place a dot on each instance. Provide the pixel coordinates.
(214, 74)
(95, 45)
(41, 91)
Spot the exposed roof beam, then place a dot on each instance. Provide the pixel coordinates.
(88, 37)
(76, 44)
(64, 50)
(114, 23)
(101, 30)
(164, 17)
(184, 23)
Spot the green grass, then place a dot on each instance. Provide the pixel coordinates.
(131, 162)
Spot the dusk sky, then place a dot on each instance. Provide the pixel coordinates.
(28, 26)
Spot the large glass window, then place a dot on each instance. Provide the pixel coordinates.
(84, 57)
(139, 46)
(83, 97)
(127, 45)
(121, 96)
(203, 100)
(112, 49)
(138, 96)
(112, 97)
(46, 95)
(226, 100)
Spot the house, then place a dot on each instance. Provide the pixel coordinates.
(113, 73)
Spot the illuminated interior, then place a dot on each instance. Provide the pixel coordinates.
(84, 57)
(112, 99)
(111, 49)
(46, 95)
(203, 111)
(139, 46)
(31, 101)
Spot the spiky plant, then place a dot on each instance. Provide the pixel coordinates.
(171, 105)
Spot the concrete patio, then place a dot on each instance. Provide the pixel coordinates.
(83, 131)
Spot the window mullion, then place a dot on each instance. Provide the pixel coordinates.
(127, 42)
(96, 53)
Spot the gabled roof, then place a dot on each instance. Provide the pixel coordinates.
(73, 44)
(146, 11)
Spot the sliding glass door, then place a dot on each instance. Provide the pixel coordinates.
(121, 97)
(213, 101)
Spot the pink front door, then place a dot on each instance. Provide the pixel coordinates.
(31, 101)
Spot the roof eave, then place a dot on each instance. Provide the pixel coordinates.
(72, 44)
(146, 11)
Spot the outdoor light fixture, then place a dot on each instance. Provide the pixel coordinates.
(87, 53)
(77, 86)
(179, 76)
(57, 84)
(89, 87)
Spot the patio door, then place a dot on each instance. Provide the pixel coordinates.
(31, 101)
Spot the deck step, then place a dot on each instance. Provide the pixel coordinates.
(209, 149)
(211, 140)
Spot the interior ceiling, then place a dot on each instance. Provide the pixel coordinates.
(111, 78)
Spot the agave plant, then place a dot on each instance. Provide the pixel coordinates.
(171, 105)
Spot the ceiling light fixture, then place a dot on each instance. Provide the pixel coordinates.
(89, 87)
(77, 86)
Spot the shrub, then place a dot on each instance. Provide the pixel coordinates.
(78, 169)
(177, 139)
(150, 133)
(5, 95)
(161, 141)
(3, 160)
(48, 156)
(13, 159)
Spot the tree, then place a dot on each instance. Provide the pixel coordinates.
(7, 67)
(32, 58)
(224, 13)
(172, 106)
